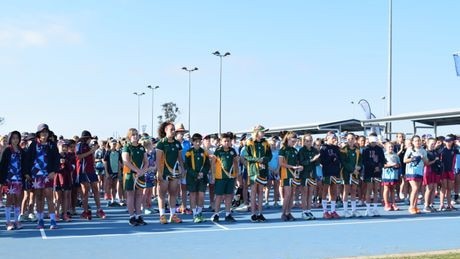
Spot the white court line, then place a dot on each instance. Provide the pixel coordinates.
(219, 225)
(42, 232)
(329, 223)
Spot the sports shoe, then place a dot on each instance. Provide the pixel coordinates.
(347, 214)
(284, 217)
(369, 213)
(356, 214)
(41, 224)
(412, 211)
(432, 208)
(32, 217)
(261, 218)
(312, 217)
(254, 218)
(66, 218)
(290, 217)
(147, 211)
(133, 221)
(394, 207)
(140, 221)
(305, 215)
(163, 219)
(196, 219)
(100, 214)
(427, 209)
(327, 215)
(175, 219)
(418, 210)
(276, 205)
(335, 215)
(242, 208)
(53, 224)
(17, 225)
(86, 215)
(266, 205)
(215, 218)
(10, 226)
(376, 213)
(229, 218)
(23, 218)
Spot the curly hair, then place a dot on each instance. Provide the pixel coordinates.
(161, 129)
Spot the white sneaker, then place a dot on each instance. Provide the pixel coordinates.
(402, 196)
(420, 196)
(347, 214)
(360, 203)
(369, 213)
(305, 216)
(375, 212)
(242, 208)
(356, 214)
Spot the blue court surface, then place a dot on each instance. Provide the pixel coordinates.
(391, 233)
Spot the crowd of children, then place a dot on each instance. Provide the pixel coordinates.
(174, 169)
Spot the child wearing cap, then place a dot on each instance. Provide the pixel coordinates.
(258, 154)
(225, 171)
(290, 176)
(12, 166)
(448, 156)
(135, 166)
(197, 165)
(170, 170)
(87, 176)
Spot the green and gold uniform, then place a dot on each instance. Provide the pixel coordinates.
(225, 171)
(255, 150)
(308, 174)
(350, 159)
(196, 162)
(170, 162)
(136, 155)
(289, 176)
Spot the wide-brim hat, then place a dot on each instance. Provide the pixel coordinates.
(86, 134)
(41, 127)
(260, 128)
(180, 128)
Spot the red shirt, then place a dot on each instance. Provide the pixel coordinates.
(86, 164)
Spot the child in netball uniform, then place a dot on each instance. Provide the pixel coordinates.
(448, 155)
(42, 164)
(87, 177)
(431, 175)
(331, 163)
(415, 159)
(390, 176)
(373, 161)
(351, 161)
(63, 182)
(225, 171)
(150, 175)
(258, 154)
(12, 166)
(309, 159)
(28, 200)
(113, 164)
(135, 166)
(290, 173)
(197, 165)
(170, 168)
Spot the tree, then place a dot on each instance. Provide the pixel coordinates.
(170, 111)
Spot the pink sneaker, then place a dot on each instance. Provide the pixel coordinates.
(334, 215)
(326, 215)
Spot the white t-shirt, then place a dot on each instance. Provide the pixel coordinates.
(416, 166)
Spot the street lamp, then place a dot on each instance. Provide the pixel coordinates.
(138, 109)
(153, 94)
(189, 90)
(217, 53)
(457, 62)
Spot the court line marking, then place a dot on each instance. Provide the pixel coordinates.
(42, 232)
(384, 221)
(219, 225)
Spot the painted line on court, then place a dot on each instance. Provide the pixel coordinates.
(42, 232)
(222, 228)
(219, 225)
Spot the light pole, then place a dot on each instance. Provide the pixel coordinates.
(153, 94)
(217, 53)
(390, 67)
(189, 91)
(457, 62)
(138, 109)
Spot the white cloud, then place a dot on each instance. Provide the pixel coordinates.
(38, 35)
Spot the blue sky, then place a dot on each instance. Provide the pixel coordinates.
(75, 65)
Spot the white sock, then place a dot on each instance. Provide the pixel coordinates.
(332, 206)
(199, 210)
(375, 205)
(368, 206)
(8, 214)
(353, 205)
(345, 205)
(324, 203)
(194, 212)
(52, 216)
(162, 212)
